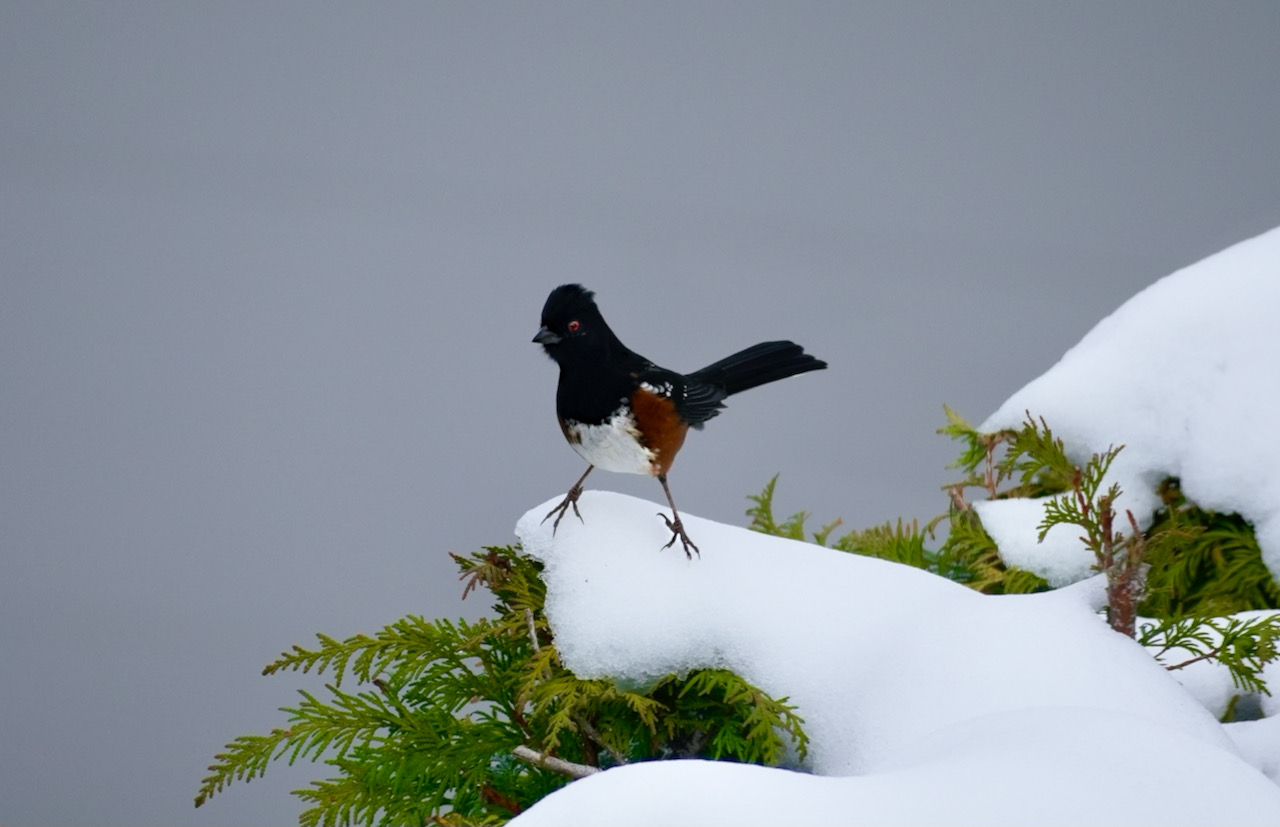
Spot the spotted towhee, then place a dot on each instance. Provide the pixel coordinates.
(621, 412)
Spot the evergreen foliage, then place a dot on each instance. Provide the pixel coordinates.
(1117, 555)
(1243, 644)
(1216, 569)
(1189, 573)
(472, 722)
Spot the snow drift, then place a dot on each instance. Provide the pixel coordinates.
(924, 701)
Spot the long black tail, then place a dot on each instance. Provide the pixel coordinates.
(758, 365)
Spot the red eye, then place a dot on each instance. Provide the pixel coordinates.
(573, 326)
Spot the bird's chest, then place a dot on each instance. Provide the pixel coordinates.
(614, 444)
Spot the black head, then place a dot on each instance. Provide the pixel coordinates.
(572, 322)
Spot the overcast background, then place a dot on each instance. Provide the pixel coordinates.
(268, 275)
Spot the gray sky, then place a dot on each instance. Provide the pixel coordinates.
(270, 272)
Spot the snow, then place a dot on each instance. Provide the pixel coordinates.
(1044, 766)
(906, 682)
(1256, 741)
(926, 702)
(1060, 558)
(1185, 376)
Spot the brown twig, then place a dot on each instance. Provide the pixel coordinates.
(497, 799)
(533, 630)
(585, 727)
(538, 759)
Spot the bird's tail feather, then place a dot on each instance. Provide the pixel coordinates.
(758, 365)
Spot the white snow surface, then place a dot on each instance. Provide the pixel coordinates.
(925, 702)
(1186, 376)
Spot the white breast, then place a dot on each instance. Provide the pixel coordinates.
(613, 446)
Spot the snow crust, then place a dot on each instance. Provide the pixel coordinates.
(1185, 375)
(924, 701)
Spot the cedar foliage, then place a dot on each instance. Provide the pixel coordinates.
(430, 731)
(1190, 587)
(461, 722)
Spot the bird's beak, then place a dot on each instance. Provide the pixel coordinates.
(546, 337)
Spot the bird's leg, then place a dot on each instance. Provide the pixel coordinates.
(677, 528)
(570, 499)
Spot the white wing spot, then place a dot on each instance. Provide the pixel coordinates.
(664, 390)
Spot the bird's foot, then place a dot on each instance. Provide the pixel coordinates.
(570, 499)
(677, 533)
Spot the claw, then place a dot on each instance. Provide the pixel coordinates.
(677, 532)
(570, 499)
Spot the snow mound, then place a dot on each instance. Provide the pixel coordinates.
(1004, 709)
(1185, 375)
(1027, 767)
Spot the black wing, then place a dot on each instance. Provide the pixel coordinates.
(696, 400)
(700, 395)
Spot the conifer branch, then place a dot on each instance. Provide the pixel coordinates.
(440, 733)
(533, 631)
(589, 730)
(566, 768)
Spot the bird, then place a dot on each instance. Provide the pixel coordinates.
(623, 413)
